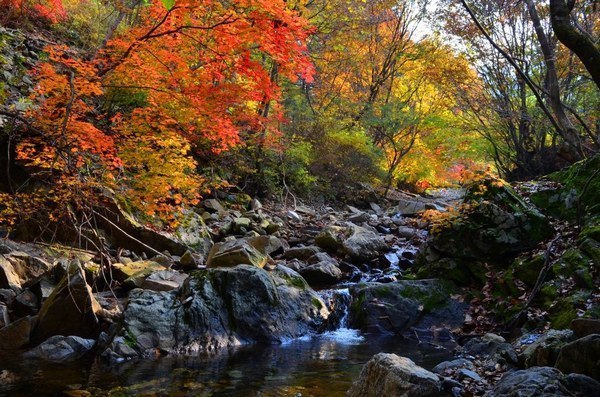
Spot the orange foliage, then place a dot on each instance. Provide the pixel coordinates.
(47, 10)
(211, 66)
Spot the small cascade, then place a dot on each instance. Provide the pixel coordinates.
(338, 302)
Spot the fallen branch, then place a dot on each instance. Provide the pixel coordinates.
(519, 318)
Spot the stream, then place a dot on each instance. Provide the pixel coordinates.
(323, 365)
(317, 365)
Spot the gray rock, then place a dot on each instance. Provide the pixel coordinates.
(16, 334)
(541, 382)
(187, 261)
(544, 351)
(4, 318)
(294, 216)
(236, 252)
(302, 253)
(446, 366)
(217, 308)
(585, 326)
(323, 273)
(268, 245)
(241, 224)
(364, 244)
(492, 348)
(582, 385)
(393, 308)
(8, 275)
(581, 356)
(255, 205)
(61, 348)
(392, 375)
(331, 238)
(164, 280)
(71, 309)
(7, 296)
(212, 205)
(358, 218)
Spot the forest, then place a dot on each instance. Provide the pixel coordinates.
(299, 197)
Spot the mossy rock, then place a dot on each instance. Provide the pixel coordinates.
(494, 223)
(565, 201)
(592, 249)
(398, 306)
(565, 310)
(528, 269)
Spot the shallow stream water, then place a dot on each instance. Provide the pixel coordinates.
(323, 365)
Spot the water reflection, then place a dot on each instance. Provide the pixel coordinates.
(324, 365)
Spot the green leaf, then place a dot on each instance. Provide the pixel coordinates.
(168, 4)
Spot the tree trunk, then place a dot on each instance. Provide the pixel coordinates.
(569, 131)
(579, 43)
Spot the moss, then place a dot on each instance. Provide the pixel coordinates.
(592, 249)
(431, 299)
(528, 269)
(317, 303)
(130, 339)
(382, 292)
(296, 282)
(357, 312)
(563, 314)
(548, 294)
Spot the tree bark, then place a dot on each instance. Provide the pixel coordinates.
(553, 88)
(579, 43)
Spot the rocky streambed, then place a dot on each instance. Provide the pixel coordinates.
(245, 299)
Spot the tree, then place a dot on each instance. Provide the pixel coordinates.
(574, 39)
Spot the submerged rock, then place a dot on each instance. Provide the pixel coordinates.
(392, 375)
(218, 308)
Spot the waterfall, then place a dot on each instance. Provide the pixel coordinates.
(338, 301)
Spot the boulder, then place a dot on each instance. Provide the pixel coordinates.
(8, 276)
(453, 365)
(301, 253)
(71, 309)
(4, 317)
(268, 245)
(164, 280)
(364, 244)
(393, 308)
(392, 375)
(133, 274)
(236, 252)
(581, 356)
(544, 382)
(331, 238)
(496, 222)
(322, 273)
(492, 348)
(217, 308)
(61, 348)
(127, 232)
(212, 205)
(585, 326)
(241, 224)
(544, 351)
(16, 335)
